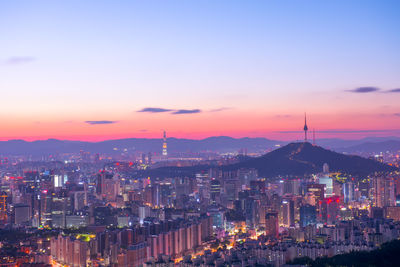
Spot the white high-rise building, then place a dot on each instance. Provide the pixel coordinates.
(164, 147)
(325, 168)
(328, 182)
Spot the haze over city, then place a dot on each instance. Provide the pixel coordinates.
(99, 70)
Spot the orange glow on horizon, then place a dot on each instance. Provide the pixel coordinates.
(198, 126)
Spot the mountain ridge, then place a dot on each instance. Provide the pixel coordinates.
(216, 143)
(213, 143)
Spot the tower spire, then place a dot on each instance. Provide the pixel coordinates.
(305, 127)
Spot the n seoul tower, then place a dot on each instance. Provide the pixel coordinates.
(305, 127)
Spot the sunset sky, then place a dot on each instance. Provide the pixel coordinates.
(95, 70)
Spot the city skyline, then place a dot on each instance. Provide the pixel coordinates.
(99, 70)
(199, 133)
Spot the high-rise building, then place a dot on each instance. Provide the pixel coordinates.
(329, 208)
(231, 189)
(392, 213)
(328, 183)
(251, 211)
(271, 224)
(291, 186)
(257, 187)
(325, 168)
(109, 186)
(348, 191)
(60, 180)
(3, 206)
(61, 207)
(97, 158)
(287, 212)
(165, 194)
(308, 215)
(46, 200)
(217, 215)
(70, 251)
(364, 187)
(384, 195)
(215, 191)
(79, 200)
(144, 212)
(318, 190)
(164, 146)
(246, 175)
(22, 214)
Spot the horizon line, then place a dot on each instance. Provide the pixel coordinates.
(71, 139)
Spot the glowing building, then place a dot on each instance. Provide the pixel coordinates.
(328, 183)
(3, 206)
(164, 146)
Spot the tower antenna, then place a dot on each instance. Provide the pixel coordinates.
(305, 127)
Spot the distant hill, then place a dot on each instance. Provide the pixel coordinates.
(370, 147)
(216, 144)
(292, 159)
(342, 144)
(178, 145)
(304, 158)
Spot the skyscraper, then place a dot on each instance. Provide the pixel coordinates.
(164, 146)
(328, 211)
(308, 215)
(328, 183)
(271, 224)
(215, 191)
(3, 206)
(287, 212)
(384, 194)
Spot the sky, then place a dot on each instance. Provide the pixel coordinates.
(96, 70)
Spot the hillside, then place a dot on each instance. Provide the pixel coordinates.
(292, 159)
(304, 158)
